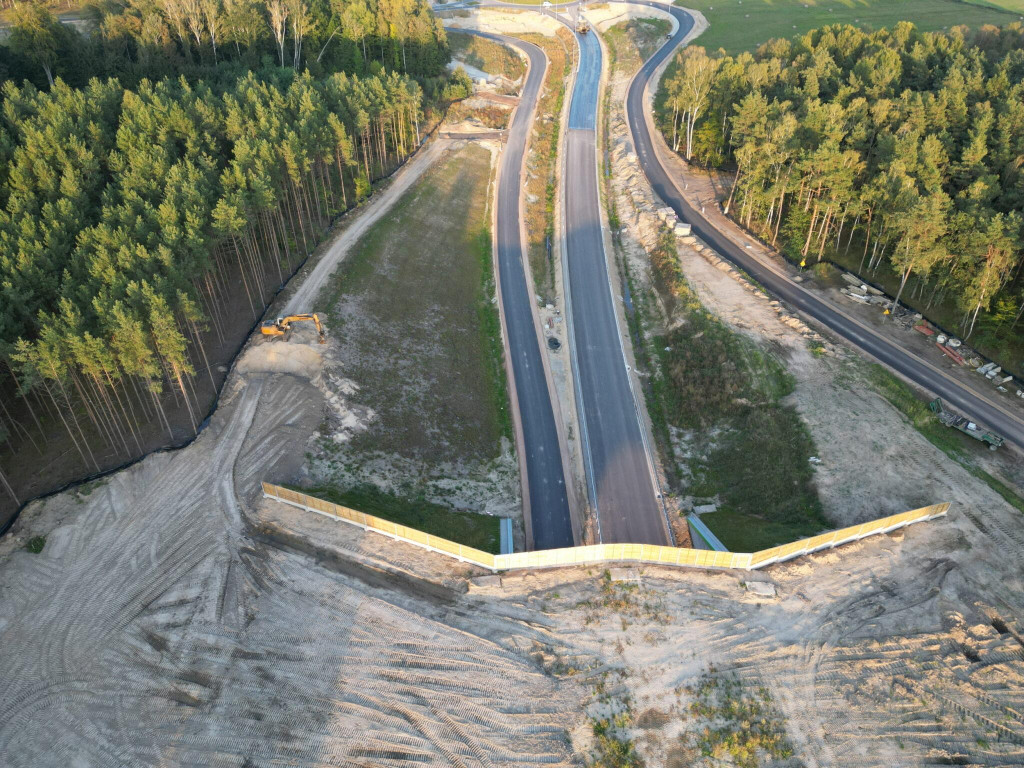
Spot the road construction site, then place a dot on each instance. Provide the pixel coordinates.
(175, 616)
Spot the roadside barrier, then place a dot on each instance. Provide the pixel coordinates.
(651, 554)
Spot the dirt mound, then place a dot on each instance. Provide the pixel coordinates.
(282, 357)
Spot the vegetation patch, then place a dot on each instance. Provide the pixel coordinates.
(734, 725)
(760, 473)
(614, 747)
(35, 544)
(542, 161)
(416, 359)
(612, 724)
(632, 42)
(470, 528)
(414, 309)
(626, 598)
(490, 116)
(723, 393)
(486, 55)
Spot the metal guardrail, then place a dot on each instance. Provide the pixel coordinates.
(601, 553)
(699, 527)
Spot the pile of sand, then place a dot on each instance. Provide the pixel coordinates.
(303, 360)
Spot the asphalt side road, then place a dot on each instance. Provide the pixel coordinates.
(933, 379)
(548, 502)
(620, 474)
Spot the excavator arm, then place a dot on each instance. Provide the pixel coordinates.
(284, 324)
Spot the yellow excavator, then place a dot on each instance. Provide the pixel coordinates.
(284, 324)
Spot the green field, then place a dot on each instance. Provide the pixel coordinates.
(415, 332)
(738, 25)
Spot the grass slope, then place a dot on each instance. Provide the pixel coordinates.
(722, 394)
(469, 528)
(541, 179)
(413, 312)
(741, 25)
(486, 55)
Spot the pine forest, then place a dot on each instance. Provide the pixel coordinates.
(898, 153)
(160, 178)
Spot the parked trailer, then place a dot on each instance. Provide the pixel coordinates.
(965, 425)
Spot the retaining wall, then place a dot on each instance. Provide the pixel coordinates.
(601, 553)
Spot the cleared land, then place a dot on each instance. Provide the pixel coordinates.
(742, 26)
(420, 409)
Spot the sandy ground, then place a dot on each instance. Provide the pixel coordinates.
(504, 22)
(176, 618)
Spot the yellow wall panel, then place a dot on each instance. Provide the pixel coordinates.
(605, 553)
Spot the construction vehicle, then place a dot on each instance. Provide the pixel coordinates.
(283, 324)
(582, 27)
(962, 423)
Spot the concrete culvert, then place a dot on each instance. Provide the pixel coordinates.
(554, 344)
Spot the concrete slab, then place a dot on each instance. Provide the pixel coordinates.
(762, 588)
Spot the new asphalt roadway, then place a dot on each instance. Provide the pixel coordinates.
(618, 463)
(775, 280)
(548, 501)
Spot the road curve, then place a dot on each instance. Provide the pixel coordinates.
(549, 512)
(618, 463)
(923, 373)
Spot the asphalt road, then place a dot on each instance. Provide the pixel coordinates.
(549, 504)
(621, 481)
(968, 402)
